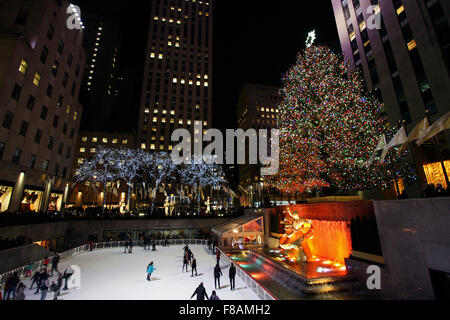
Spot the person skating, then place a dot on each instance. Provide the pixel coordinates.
(45, 285)
(12, 283)
(214, 296)
(150, 270)
(55, 262)
(57, 287)
(218, 256)
(46, 262)
(131, 244)
(145, 243)
(190, 255)
(20, 294)
(126, 247)
(200, 292)
(217, 275)
(43, 275)
(36, 277)
(166, 242)
(185, 262)
(67, 274)
(232, 275)
(153, 246)
(29, 270)
(194, 266)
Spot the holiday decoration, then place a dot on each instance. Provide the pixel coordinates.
(330, 127)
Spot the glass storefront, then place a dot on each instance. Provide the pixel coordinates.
(31, 200)
(5, 197)
(55, 202)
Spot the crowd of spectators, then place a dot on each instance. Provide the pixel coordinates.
(22, 218)
(432, 191)
(14, 243)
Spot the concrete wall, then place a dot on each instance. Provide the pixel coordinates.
(415, 237)
(77, 232)
(18, 257)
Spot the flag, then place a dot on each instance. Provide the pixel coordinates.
(381, 145)
(439, 126)
(399, 138)
(418, 131)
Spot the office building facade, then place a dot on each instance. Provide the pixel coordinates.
(402, 48)
(177, 87)
(41, 67)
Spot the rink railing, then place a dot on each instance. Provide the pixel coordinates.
(251, 283)
(38, 265)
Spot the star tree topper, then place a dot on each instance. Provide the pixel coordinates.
(311, 38)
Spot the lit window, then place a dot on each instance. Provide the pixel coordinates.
(412, 45)
(400, 10)
(95, 139)
(105, 140)
(93, 150)
(69, 108)
(125, 141)
(75, 116)
(143, 146)
(37, 79)
(84, 139)
(23, 66)
(82, 150)
(152, 147)
(80, 160)
(114, 141)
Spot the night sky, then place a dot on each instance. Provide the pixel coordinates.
(254, 41)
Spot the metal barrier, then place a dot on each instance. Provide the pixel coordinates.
(38, 265)
(257, 288)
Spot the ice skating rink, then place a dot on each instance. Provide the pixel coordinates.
(112, 275)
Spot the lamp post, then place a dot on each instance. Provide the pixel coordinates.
(438, 152)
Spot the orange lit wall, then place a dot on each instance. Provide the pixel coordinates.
(332, 236)
(332, 241)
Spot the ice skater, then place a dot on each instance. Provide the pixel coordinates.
(153, 246)
(217, 275)
(146, 243)
(131, 244)
(36, 277)
(194, 266)
(126, 247)
(200, 292)
(218, 256)
(150, 270)
(214, 296)
(55, 262)
(185, 261)
(232, 275)
(67, 274)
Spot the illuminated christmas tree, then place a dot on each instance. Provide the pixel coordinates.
(329, 128)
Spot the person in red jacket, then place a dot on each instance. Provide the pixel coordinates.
(218, 256)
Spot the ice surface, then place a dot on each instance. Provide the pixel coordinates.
(112, 275)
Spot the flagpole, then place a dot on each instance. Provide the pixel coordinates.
(411, 151)
(436, 146)
(395, 176)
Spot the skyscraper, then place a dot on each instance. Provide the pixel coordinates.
(100, 81)
(177, 90)
(41, 67)
(257, 109)
(403, 49)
